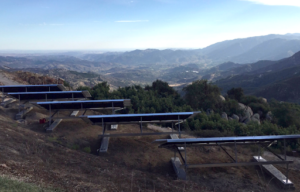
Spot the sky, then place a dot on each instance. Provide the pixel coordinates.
(139, 24)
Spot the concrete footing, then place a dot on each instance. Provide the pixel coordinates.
(53, 125)
(180, 172)
(104, 144)
(274, 172)
(114, 127)
(74, 113)
(21, 114)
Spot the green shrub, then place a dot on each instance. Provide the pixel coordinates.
(87, 149)
(75, 147)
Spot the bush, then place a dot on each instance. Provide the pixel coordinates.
(235, 93)
(87, 149)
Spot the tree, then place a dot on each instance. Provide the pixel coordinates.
(201, 94)
(235, 93)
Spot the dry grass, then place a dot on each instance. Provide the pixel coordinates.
(131, 163)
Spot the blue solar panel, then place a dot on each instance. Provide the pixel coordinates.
(48, 85)
(31, 88)
(226, 139)
(139, 115)
(49, 92)
(86, 101)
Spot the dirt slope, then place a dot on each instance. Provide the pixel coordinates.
(131, 164)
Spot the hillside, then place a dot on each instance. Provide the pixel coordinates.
(267, 80)
(274, 49)
(58, 160)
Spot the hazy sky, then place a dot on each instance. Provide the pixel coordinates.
(131, 24)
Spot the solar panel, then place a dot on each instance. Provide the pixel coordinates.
(50, 95)
(31, 88)
(117, 103)
(225, 139)
(140, 117)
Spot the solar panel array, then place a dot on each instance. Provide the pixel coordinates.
(85, 104)
(31, 88)
(50, 95)
(55, 92)
(191, 141)
(137, 118)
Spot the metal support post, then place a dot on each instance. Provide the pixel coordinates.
(287, 165)
(113, 110)
(284, 149)
(179, 127)
(287, 173)
(235, 151)
(175, 149)
(141, 126)
(49, 115)
(72, 96)
(185, 162)
(19, 103)
(103, 127)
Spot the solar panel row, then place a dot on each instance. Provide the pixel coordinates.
(50, 95)
(31, 88)
(166, 142)
(54, 92)
(121, 118)
(87, 104)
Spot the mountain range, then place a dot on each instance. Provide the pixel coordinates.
(246, 50)
(270, 79)
(259, 64)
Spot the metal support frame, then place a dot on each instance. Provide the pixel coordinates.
(84, 111)
(179, 127)
(237, 164)
(287, 165)
(136, 134)
(227, 153)
(50, 115)
(19, 103)
(56, 112)
(141, 125)
(103, 127)
(235, 161)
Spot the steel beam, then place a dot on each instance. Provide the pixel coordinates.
(212, 144)
(237, 164)
(137, 122)
(135, 134)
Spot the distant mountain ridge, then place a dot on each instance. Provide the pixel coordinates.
(245, 50)
(270, 79)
